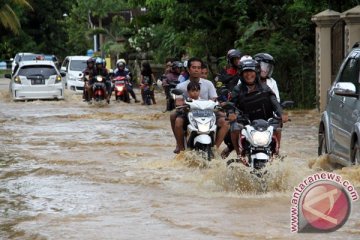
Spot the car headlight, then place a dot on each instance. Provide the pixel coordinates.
(261, 138)
(17, 80)
(58, 79)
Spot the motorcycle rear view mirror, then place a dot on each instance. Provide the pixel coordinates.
(177, 91)
(287, 104)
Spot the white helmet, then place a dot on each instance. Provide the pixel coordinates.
(121, 60)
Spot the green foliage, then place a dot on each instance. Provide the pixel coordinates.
(170, 28)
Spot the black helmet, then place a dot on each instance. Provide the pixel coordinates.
(249, 64)
(90, 60)
(266, 64)
(233, 53)
(264, 57)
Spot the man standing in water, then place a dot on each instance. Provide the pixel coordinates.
(207, 92)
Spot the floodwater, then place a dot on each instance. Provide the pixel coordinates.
(73, 171)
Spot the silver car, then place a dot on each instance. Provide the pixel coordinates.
(339, 129)
(38, 79)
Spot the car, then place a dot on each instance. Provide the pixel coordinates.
(51, 58)
(36, 79)
(72, 67)
(339, 128)
(17, 59)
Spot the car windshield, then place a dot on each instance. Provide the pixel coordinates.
(78, 65)
(28, 57)
(38, 70)
(50, 58)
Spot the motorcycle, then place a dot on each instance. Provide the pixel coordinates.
(120, 89)
(257, 141)
(147, 94)
(99, 89)
(200, 133)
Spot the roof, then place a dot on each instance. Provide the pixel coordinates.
(36, 62)
(78, 57)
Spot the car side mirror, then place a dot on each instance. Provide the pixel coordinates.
(63, 69)
(7, 75)
(345, 89)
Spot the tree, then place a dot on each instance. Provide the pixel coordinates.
(8, 17)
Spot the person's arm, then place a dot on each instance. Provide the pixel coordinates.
(276, 105)
(275, 89)
(212, 91)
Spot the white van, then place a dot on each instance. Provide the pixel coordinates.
(73, 66)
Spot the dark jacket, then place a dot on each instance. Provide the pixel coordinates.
(259, 104)
(229, 78)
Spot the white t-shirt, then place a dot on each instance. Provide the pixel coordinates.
(207, 89)
(273, 85)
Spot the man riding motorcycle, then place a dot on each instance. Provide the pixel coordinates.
(171, 77)
(121, 70)
(89, 71)
(255, 99)
(102, 71)
(266, 62)
(231, 77)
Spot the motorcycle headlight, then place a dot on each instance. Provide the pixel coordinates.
(99, 78)
(204, 127)
(261, 138)
(120, 88)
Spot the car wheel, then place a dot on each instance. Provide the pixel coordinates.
(356, 154)
(322, 149)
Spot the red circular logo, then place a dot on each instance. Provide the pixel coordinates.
(325, 206)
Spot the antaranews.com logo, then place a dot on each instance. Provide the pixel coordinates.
(321, 203)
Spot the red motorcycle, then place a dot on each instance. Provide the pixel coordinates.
(99, 89)
(120, 89)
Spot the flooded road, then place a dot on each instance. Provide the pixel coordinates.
(73, 171)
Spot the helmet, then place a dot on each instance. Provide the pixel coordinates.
(245, 57)
(266, 64)
(264, 57)
(249, 64)
(176, 64)
(121, 60)
(120, 64)
(90, 60)
(233, 53)
(99, 61)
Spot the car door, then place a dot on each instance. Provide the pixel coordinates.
(339, 108)
(64, 68)
(350, 110)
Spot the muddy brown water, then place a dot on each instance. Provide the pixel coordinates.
(73, 171)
